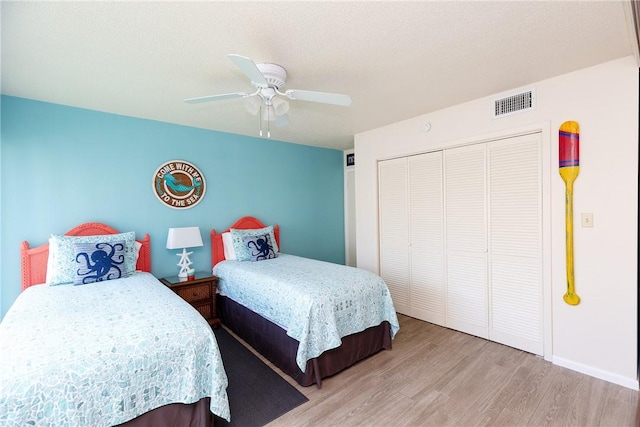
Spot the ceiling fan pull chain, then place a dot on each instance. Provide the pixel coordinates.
(260, 119)
(268, 124)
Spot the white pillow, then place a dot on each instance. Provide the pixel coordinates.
(138, 246)
(227, 243)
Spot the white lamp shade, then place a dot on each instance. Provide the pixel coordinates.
(269, 114)
(253, 104)
(280, 106)
(184, 237)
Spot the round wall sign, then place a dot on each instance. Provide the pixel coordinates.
(179, 184)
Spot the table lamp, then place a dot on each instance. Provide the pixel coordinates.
(183, 238)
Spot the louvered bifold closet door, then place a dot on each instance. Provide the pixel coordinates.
(466, 239)
(426, 229)
(394, 230)
(515, 242)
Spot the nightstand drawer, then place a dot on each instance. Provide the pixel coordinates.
(195, 292)
(199, 292)
(205, 310)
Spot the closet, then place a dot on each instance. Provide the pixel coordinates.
(461, 238)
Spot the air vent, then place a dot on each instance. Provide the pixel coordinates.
(517, 103)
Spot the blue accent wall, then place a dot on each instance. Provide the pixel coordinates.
(62, 166)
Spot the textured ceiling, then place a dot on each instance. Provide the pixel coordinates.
(397, 60)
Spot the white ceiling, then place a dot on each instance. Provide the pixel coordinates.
(397, 60)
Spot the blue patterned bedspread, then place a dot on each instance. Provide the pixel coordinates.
(316, 302)
(101, 354)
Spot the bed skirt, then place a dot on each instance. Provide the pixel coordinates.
(280, 349)
(176, 414)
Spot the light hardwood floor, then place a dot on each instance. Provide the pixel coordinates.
(435, 376)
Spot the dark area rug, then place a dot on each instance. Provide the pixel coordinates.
(257, 394)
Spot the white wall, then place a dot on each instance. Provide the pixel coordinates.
(599, 336)
(350, 257)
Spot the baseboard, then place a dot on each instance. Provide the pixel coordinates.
(597, 373)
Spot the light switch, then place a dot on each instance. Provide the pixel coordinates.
(587, 220)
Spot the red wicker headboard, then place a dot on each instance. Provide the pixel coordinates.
(246, 222)
(33, 261)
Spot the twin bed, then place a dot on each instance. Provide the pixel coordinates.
(310, 318)
(126, 351)
(130, 352)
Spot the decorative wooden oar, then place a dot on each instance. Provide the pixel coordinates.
(569, 155)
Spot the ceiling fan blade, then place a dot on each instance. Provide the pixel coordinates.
(325, 97)
(216, 97)
(249, 67)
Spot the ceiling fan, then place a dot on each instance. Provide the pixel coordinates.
(268, 79)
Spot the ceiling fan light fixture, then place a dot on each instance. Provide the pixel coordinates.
(269, 114)
(253, 105)
(280, 106)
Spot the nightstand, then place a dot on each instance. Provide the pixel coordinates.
(200, 293)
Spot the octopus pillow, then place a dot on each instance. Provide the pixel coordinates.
(239, 246)
(61, 265)
(96, 262)
(258, 248)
